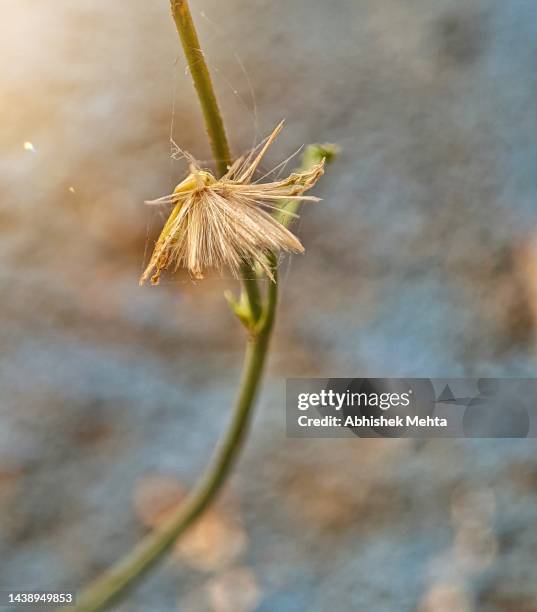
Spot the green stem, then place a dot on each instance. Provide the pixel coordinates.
(203, 84)
(251, 292)
(152, 548)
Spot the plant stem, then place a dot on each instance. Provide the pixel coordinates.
(151, 549)
(203, 84)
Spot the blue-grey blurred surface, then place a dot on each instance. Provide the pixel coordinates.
(420, 261)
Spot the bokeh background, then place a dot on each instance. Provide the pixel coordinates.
(421, 261)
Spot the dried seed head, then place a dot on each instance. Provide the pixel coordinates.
(222, 223)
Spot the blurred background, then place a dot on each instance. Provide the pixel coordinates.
(421, 261)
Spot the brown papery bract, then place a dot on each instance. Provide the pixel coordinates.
(224, 223)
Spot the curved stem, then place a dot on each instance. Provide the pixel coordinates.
(129, 570)
(151, 549)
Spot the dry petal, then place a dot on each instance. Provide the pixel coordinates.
(223, 223)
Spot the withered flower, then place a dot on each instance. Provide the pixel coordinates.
(223, 223)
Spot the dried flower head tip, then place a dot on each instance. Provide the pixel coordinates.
(223, 223)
